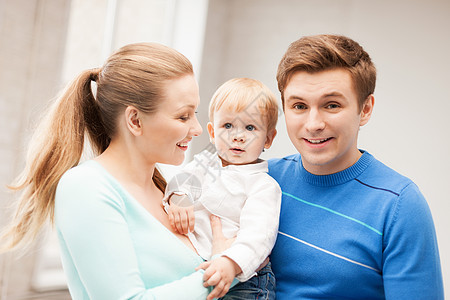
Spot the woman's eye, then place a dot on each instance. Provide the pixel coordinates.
(227, 126)
(250, 127)
(184, 118)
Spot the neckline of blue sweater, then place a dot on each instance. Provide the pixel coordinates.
(340, 177)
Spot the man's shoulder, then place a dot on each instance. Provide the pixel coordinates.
(293, 158)
(384, 177)
(281, 167)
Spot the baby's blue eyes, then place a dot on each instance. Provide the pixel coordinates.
(248, 127)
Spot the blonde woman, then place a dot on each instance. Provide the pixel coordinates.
(116, 240)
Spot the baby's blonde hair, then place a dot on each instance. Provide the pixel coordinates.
(237, 94)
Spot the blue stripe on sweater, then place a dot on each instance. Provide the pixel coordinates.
(334, 212)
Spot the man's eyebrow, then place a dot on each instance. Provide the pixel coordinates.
(294, 97)
(333, 94)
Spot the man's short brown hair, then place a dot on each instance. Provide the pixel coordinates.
(325, 52)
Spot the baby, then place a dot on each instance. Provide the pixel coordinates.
(233, 184)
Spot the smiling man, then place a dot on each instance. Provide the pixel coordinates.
(350, 227)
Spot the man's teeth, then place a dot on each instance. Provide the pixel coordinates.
(317, 141)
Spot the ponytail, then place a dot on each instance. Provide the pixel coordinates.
(55, 147)
(133, 75)
(159, 181)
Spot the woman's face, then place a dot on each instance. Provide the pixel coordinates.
(167, 132)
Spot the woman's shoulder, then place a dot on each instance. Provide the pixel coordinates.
(88, 178)
(88, 184)
(89, 172)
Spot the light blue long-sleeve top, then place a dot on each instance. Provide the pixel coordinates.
(113, 248)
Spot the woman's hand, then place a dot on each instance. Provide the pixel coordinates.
(219, 243)
(221, 271)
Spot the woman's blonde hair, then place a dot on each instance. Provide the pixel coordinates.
(238, 94)
(134, 75)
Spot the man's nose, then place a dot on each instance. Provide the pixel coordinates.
(315, 121)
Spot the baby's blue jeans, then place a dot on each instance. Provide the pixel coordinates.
(260, 286)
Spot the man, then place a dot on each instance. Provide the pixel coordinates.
(350, 227)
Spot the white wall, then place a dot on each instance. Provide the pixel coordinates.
(31, 53)
(409, 42)
(407, 39)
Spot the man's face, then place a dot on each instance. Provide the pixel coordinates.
(323, 119)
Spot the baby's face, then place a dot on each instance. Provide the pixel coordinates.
(239, 137)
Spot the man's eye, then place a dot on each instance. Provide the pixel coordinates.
(227, 126)
(299, 106)
(332, 105)
(250, 127)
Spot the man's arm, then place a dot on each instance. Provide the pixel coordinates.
(411, 264)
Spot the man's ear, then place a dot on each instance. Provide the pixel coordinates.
(210, 128)
(133, 121)
(270, 137)
(366, 111)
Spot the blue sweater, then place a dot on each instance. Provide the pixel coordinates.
(363, 233)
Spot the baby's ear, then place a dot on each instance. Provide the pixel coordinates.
(270, 137)
(210, 128)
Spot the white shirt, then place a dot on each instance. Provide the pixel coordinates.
(246, 199)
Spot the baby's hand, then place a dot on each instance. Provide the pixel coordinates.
(219, 273)
(181, 219)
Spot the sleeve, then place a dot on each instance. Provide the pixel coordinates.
(188, 181)
(98, 253)
(258, 227)
(411, 264)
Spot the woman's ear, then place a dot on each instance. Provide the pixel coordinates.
(210, 128)
(133, 121)
(366, 111)
(270, 137)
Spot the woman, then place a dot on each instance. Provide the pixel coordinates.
(116, 240)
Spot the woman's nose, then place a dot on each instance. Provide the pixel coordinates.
(196, 129)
